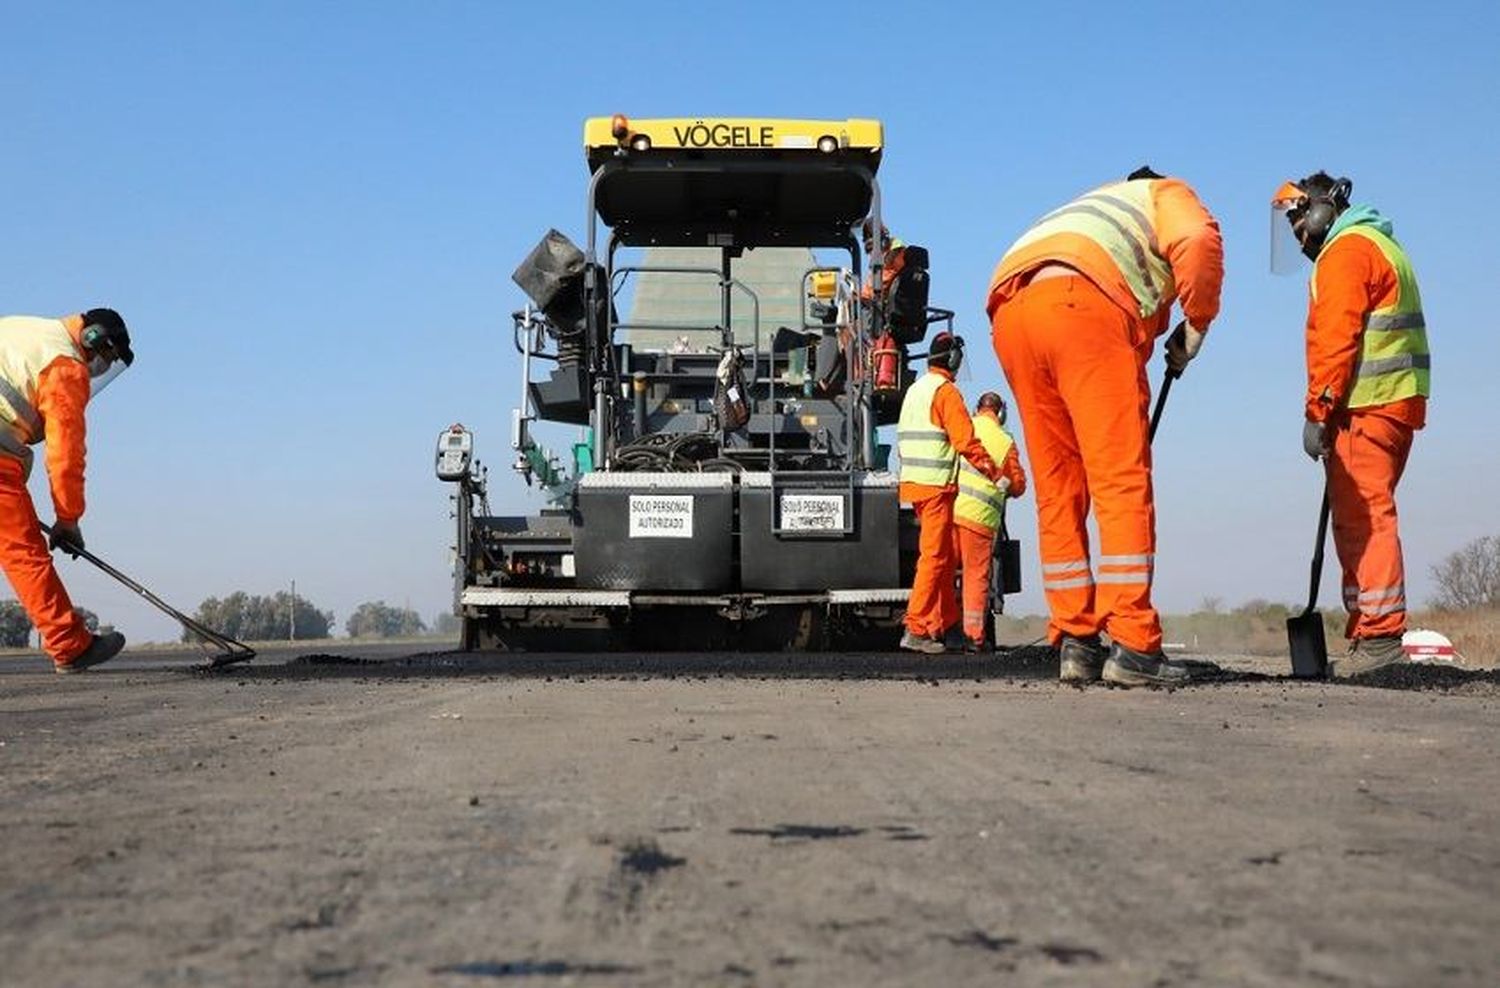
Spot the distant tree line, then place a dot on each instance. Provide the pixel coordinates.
(377, 619)
(16, 626)
(261, 618)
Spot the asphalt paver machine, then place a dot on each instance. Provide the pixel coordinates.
(728, 489)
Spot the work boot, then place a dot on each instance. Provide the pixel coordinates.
(1127, 667)
(973, 646)
(1082, 659)
(1367, 655)
(925, 644)
(954, 639)
(101, 649)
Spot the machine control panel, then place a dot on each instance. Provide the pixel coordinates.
(455, 453)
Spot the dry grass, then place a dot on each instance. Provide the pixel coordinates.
(1475, 634)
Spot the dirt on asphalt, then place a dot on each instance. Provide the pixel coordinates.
(742, 820)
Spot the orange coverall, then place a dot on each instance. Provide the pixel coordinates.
(974, 546)
(62, 393)
(1368, 446)
(933, 607)
(1068, 333)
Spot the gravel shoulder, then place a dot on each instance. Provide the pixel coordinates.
(712, 820)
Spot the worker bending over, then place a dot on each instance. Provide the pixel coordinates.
(1075, 306)
(1368, 379)
(49, 368)
(933, 432)
(979, 512)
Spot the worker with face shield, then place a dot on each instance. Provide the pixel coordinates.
(49, 369)
(1368, 380)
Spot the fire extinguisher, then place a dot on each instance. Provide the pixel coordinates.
(887, 359)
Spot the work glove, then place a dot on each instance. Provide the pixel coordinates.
(1315, 439)
(66, 536)
(1182, 346)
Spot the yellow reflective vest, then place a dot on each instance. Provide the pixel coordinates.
(979, 501)
(1394, 362)
(1121, 219)
(927, 457)
(28, 346)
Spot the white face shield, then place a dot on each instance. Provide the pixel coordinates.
(1286, 250)
(102, 371)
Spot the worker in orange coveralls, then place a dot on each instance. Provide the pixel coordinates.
(934, 430)
(979, 513)
(1368, 380)
(1075, 306)
(892, 256)
(49, 368)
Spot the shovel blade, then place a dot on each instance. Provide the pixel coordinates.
(1309, 646)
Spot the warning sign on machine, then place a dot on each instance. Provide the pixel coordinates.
(812, 512)
(661, 516)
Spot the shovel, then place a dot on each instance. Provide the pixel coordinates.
(1304, 633)
(231, 651)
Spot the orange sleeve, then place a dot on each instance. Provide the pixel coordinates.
(1014, 472)
(62, 392)
(950, 415)
(1349, 279)
(1187, 235)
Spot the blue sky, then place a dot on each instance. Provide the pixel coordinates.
(309, 213)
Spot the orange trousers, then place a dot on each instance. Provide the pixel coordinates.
(28, 565)
(975, 551)
(1076, 363)
(1367, 460)
(933, 608)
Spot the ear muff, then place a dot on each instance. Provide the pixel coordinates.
(955, 354)
(1321, 211)
(103, 344)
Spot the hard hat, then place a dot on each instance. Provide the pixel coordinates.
(1422, 645)
(1302, 213)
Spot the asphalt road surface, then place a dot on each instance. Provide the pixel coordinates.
(747, 820)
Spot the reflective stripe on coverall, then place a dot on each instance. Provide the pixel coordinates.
(1074, 350)
(1369, 378)
(44, 386)
(934, 406)
(976, 518)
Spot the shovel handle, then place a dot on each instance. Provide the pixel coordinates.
(1317, 560)
(1161, 402)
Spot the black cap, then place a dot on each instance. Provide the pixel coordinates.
(116, 335)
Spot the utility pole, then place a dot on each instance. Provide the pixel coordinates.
(291, 618)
